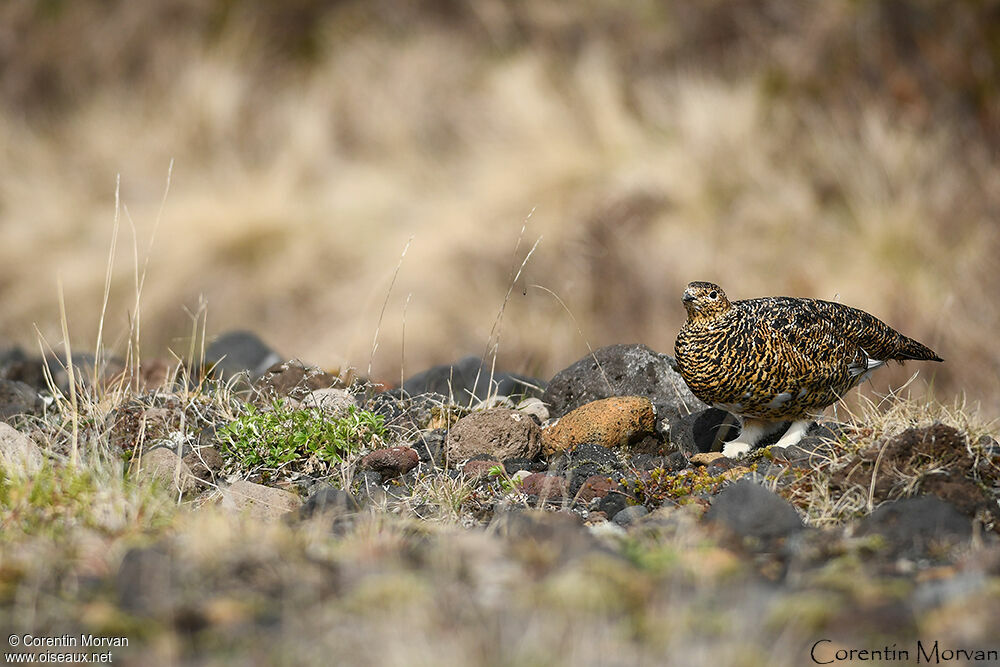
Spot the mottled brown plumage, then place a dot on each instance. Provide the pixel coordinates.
(781, 358)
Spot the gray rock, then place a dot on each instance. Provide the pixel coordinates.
(749, 510)
(163, 464)
(333, 402)
(629, 514)
(501, 433)
(469, 378)
(259, 501)
(535, 407)
(17, 398)
(920, 527)
(622, 370)
(240, 351)
(19, 455)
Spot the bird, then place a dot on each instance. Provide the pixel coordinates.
(775, 359)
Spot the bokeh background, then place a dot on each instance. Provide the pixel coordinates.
(841, 149)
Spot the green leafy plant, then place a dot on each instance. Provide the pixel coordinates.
(498, 472)
(281, 436)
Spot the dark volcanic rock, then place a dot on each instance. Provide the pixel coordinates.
(429, 446)
(17, 398)
(703, 431)
(750, 510)
(622, 370)
(499, 432)
(921, 527)
(467, 378)
(240, 351)
(516, 463)
(613, 503)
(585, 461)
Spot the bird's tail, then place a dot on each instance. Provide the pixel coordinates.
(913, 350)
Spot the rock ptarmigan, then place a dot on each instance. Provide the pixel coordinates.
(776, 359)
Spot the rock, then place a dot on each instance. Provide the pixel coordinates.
(629, 514)
(136, 424)
(535, 407)
(613, 503)
(163, 464)
(17, 398)
(469, 378)
(586, 461)
(920, 527)
(205, 463)
(610, 422)
(520, 476)
(329, 500)
(480, 468)
(622, 370)
(751, 511)
(391, 461)
(259, 501)
(546, 487)
(596, 486)
(335, 403)
(293, 379)
(672, 462)
(499, 432)
(144, 582)
(936, 455)
(411, 413)
(237, 352)
(514, 464)
(429, 446)
(706, 458)
(369, 488)
(703, 431)
(19, 455)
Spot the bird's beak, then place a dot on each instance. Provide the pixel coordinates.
(688, 297)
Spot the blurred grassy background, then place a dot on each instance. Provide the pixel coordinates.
(840, 150)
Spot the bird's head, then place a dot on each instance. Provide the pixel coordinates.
(705, 301)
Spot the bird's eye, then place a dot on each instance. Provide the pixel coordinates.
(713, 295)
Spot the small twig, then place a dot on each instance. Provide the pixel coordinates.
(74, 457)
(378, 327)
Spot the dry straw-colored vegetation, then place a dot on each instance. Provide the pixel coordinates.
(839, 150)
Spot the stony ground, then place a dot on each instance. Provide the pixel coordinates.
(473, 517)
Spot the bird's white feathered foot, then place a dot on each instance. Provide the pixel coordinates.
(756, 429)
